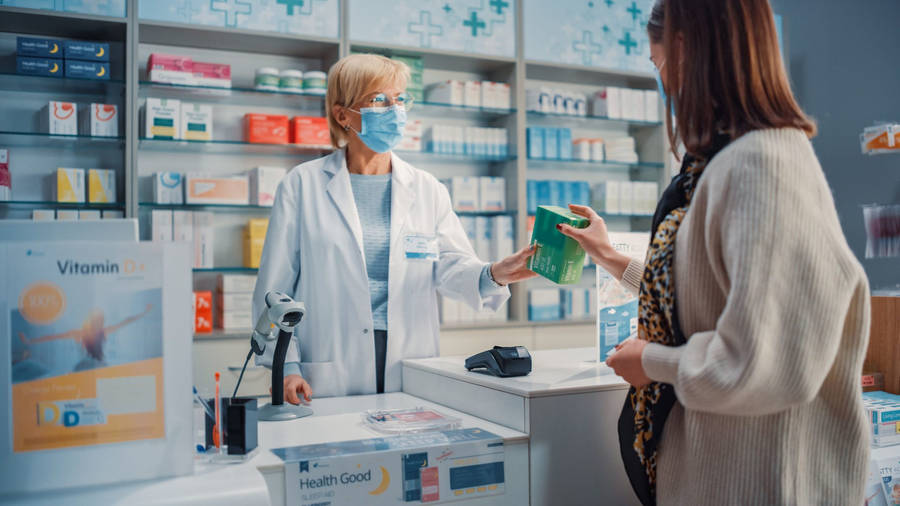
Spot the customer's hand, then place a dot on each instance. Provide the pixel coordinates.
(595, 241)
(513, 268)
(295, 385)
(626, 361)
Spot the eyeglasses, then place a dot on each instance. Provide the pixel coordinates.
(381, 100)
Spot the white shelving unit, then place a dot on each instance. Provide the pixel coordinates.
(136, 158)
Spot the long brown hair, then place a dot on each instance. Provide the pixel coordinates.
(724, 61)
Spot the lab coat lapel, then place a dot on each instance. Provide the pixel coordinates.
(402, 197)
(341, 193)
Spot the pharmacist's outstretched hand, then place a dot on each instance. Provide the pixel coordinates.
(513, 268)
(626, 361)
(595, 238)
(294, 386)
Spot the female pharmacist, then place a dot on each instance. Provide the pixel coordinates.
(754, 313)
(367, 241)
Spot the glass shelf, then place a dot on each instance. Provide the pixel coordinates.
(211, 207)
(223, 95)
(434, 108)
(582, 165)
(22, 83)
(65, 205)
(584, 120)
(42, 140)
(451, 158)
(217, 146)
(248, 270)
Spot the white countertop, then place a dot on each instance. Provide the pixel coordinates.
(554, 372)
(339, 419)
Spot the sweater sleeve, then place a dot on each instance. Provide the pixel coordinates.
(631, 278)
(789, 284)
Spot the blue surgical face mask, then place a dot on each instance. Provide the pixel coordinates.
(382, 127)
(662, 89)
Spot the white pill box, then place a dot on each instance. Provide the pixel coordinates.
(162, 118)
(196, 122)
(203, 240)
(235, 283)
(183, 226)
(99, 120)
(492, 193)
(67, 215)
(464, 193)
(43, 215)
(264, 183)
(60, 118)
(451, 92)
(168, 188)
(160, 225)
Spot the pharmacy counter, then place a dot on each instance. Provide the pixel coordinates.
(569, 406)
(339, 419)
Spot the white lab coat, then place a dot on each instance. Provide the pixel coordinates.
(314, 252)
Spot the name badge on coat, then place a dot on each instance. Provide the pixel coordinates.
(421, 247)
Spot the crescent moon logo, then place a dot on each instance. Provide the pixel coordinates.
(385, 482)
(55, 48)
(100, 54)
(54, 68)
(102, 71)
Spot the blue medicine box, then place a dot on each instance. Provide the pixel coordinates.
(558, 194)
(564, 143)
(531, 193)
(40, 47)
(87, 70)
(535, 141)
(551, 143)
(89, 51)
(543, 194)
(50, 67)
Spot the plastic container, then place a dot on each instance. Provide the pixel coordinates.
(405, 421)
(291, 81)
(314, 82)
(267, 79)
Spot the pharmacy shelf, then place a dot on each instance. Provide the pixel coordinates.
(236, 270)
(207, 207)
(563, 72)
(450, 110)
(42, 140)
(457, 61)
(62, 24)
(238, 96)
(220, 146)
(542, 163)
(11, 82)
(587, 121)
(61, 205)
(452, 158)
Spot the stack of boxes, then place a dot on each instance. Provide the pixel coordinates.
(70, 186)
(234, 301)
(549, 143)
(416, 84)
(556, 193)
(470, 193)
(412, 136)
(63, 118)
(173, 119)
(488, 143)
(257, 187)
(254, 240)
(54, 58)
(185, 226)
(477, 94)
(183, 70)
(556, 101)
(883, 413)
(626, 197)
(203, 318)
(628, 104)
(621, 150)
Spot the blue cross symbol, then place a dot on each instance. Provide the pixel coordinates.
(425, 29)
(628, 42)
(290, 5)
(231, 8)
(591, 5)
(447, 8)
(499, 5)
(609, 3)
(586, 46)
(605, 29)
(634, 11)
(474, 23)
(186, 10)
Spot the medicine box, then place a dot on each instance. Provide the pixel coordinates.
(234, 302)
(503, 235)
(161, 118)
(69, 185)
(412, 136)
(203, 239)
(196, 122)
(472, 94)
(558, 257)
(183, 226)
(256, 228)
(38, 46)
(535, 141)
(101, 186)
(310, 131)
(96, 70)
(5, 178)
(88, 215)
(234, 320)
(253, 249)
(67, 215)
(235, 283)
(651, 105)
(266, 128)
(201, 189)
(614, 106)
(564, 143)
(543, 304)
(173, 69)
(99, 120)
(450, 92)
(202, 312)
(606, 197)
(551, 143)
(112, 214)
(492, 193)
(161, 225)
(599, 103)
(48, 67)
(264, 183)
(89, 51)
(43, 215)
(168, 188)
(483, 234)
(60, 118)
(212, 74)
(464, 193)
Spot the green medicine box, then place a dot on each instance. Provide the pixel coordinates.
(558, 258)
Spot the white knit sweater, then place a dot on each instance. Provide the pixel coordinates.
(776, 310)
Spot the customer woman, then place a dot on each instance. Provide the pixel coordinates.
(367, 241)
(754, 313)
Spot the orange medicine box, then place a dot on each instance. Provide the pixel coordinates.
(266, 128)
(202, 312)
(310, 131)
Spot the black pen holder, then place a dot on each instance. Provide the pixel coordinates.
(239, 423)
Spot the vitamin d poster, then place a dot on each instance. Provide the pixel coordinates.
(85, 337)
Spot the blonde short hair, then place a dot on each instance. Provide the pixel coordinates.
(352, 78)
